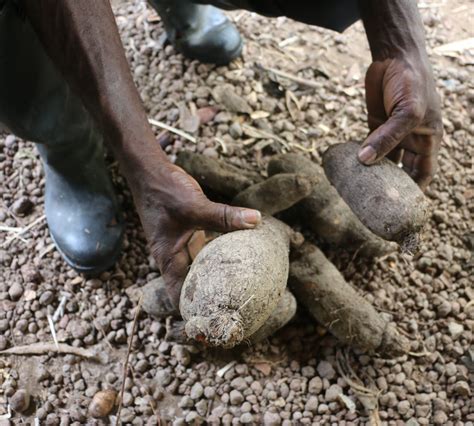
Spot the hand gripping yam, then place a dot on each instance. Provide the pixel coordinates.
(217, 175)
(320, 287)
(281, 316)
(325, 212)
(277, 193)
(235, 283)
(383, 196)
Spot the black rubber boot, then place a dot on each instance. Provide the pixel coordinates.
(37, 104)
(199, 31)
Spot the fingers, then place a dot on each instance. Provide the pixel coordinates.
(420, 168)
(387, 137)
(174, 274)
(224, 218)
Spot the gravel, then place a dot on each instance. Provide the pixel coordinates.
(292, 377)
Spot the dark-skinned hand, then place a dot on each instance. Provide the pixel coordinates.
(404, 117)
(172, 211)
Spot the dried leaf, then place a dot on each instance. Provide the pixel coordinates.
(226, 96)
(187, 120)
(259, 114)
(264, 368)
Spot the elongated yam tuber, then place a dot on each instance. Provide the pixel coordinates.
(277, 193)
(282, 314)
(235, 283)
(325, 212)
(321, 288)
(383, 196)
(218, 176)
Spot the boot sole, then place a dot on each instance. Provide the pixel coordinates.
(89, 270)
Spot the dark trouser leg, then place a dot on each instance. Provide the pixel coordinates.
(199, 32)
(333, 14)
(37, 104)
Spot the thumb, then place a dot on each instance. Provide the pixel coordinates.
(386, 137)
(224, 218)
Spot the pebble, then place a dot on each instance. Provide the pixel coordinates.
(20, 401)
(403, 407)
(462, 388)
(22, 206)
(332, 393)
(312, 404)
(440, 418)
(455, 329)
(197, 391)
(236, 398)
(326, 370)
(15, 291)
(271, 419)
(315, 385)
(246, 418)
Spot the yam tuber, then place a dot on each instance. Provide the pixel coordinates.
(235, 283)
(281, 316)
(325, 212)
(217, 175)
(383, 196)
(321, 288)
(277, 193)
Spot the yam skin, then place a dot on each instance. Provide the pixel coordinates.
(282, 315)
(320, 287)
(216, 175)
(325, 212)
(277, 193)
(383, 196)
(235, 283)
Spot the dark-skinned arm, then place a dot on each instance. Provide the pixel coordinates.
(82, 39)
(403, 107)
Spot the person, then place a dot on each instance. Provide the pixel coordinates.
(65, 85)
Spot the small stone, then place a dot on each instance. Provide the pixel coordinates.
(403, 407)
(308, 371)
(332, 393)
(326, 370)
(315, 385)
(20, 401)
(46, 298)
(312, 404)
(15, 291)
(236, 398)
(196, 391)
(235, 130)
(450, 369)
(462, 388)
(239, 383)
(22, 206)
(444, 309)
(246, 418)
(194, 418)
(455, 329)
(3, 343)
(271, 419)
(163, 377)
(440, 418)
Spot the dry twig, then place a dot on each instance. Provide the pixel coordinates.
(48, 348)
(127, 357)
(172, 130)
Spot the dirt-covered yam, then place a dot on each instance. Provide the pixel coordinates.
(281, 316)
(325, 212)
(383, 196)
(216, 175)
(277, 193)
(235, 283)
(320, 287)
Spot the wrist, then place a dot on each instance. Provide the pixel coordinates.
(394, 28)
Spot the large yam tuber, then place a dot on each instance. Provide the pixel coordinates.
(235, 283)
(383, 196)
(321, 288)
(217, 175)
(325, 212)
(277, 193)
(282, 315)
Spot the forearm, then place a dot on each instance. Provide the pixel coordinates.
(82, 39)
(394, 28)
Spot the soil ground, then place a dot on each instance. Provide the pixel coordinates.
(293, 377)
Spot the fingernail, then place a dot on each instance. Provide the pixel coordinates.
(250, 218)
(367, 154)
